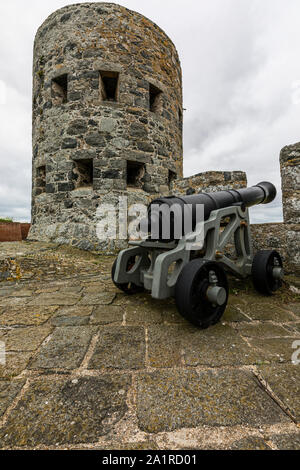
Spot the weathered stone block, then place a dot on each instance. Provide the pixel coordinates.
(56, 298)
(66, 411)
(66, 348)
(69, 143)
(120, 347)
(107, 124)
(64, 187)
(8, 391)
(185, 399)
(16, 362)
(284, 380)
(24, 339)
(77, 127)
(95, 139)
(286, 441)
(177, 344)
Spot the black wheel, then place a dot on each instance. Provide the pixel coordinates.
(201, 292)
(129, 288)
(267, 271)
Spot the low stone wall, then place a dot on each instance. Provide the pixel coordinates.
(210, 181)
(75, 222)
(284, 238)
(290, 177)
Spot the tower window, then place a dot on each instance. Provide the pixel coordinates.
(135, 174)
(83, 173)
(155, 95)
(180, 117)
(172, 177)
(109, 86)
(41, 179)
(59, 89)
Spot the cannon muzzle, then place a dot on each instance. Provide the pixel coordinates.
(262, 193)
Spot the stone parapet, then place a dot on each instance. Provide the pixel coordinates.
(210, 181)
(284, 238)
(290, 181)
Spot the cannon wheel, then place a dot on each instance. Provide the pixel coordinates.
(192, 289)
(263, 265)
(129, 288)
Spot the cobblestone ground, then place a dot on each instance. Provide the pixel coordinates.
(88, 367)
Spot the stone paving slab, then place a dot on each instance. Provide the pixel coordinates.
(65, 349)
(143, 445)
(15, 292)
(295, 308)
(284, 380)
(16, 363)
(104, 370)
(70, 321)
(24, 339)
(66, 411)
(53, 298)
(105, 314)
(25, 316)
(250, 443)
(95, 287)
(267, 310)
(175, 399)
(233, 313)
(273, 349)
(295, 328)
(142, 309)
(8, 391)
(120, 348)
(263, 330)
(72, 316)
(287, 441)
(14, 301)
(102, 298)
(220, 345)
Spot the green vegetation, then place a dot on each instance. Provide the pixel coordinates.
(6, 219)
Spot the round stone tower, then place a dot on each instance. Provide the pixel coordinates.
(107, 117)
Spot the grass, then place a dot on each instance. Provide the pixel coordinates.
(6, 220)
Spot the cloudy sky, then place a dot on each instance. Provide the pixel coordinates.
(241, 74)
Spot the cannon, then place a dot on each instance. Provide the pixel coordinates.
(192, 243)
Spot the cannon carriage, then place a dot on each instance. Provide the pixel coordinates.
(186, 252)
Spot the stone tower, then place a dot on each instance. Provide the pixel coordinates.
(107, 117)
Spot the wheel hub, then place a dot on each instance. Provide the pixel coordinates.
(278, 273)
(215, 294)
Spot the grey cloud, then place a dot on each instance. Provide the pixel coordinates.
(239, 61)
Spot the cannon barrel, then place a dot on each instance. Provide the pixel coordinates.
(262, 193)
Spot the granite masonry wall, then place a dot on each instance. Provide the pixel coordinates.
(285, 237)
(210, 181)
(107, 116)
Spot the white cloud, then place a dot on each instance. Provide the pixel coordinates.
(239, 59)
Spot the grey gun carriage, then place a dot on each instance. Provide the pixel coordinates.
(192, 271)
